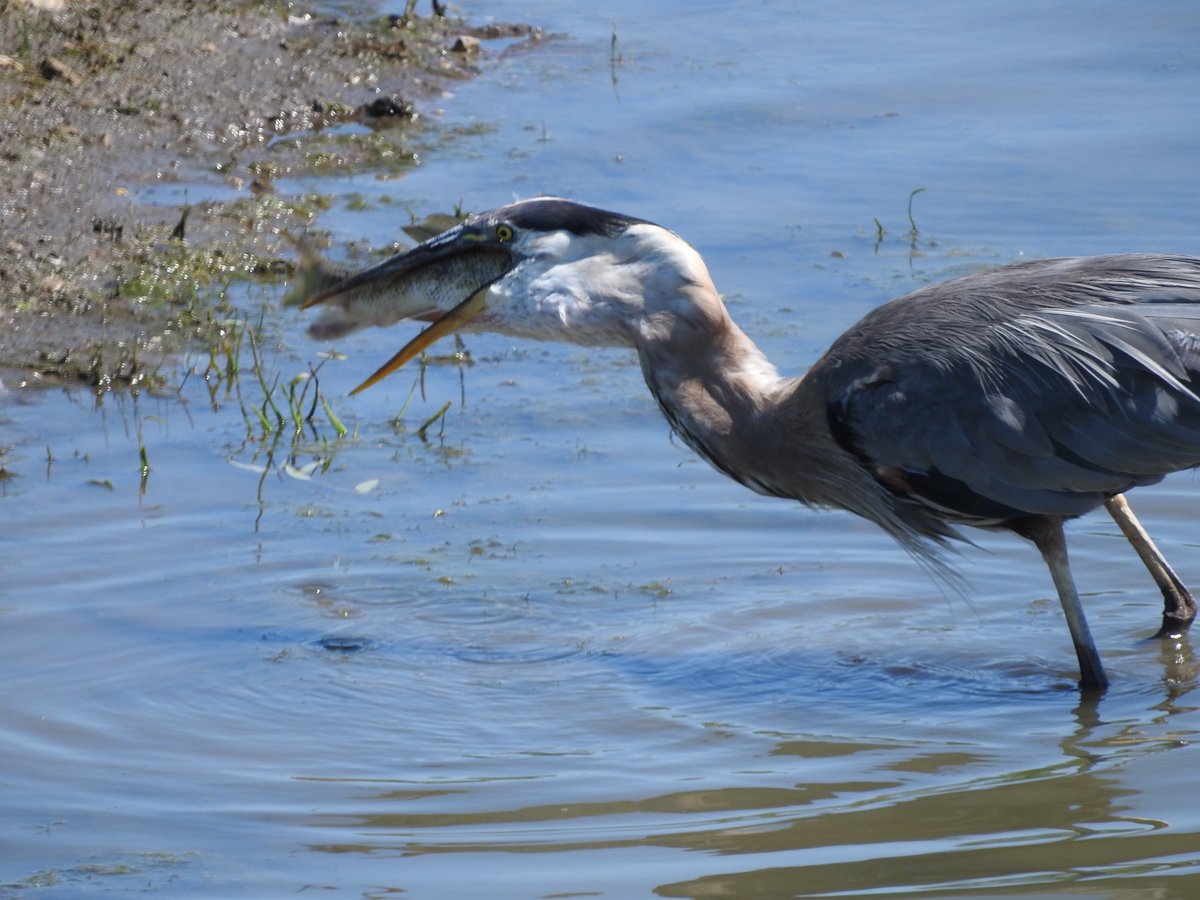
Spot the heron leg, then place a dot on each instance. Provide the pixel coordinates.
(1179, 607)
(1047, 535)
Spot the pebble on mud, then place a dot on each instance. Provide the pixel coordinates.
(466, 44)
(392, 107)
(52, 67)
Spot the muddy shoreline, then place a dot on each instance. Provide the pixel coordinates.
(105, 104)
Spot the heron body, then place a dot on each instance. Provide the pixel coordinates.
(1014, 399)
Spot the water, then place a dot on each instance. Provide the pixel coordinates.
(546, 652)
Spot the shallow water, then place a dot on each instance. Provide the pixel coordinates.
(545, 651)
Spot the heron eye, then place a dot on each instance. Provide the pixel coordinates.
(504, 233)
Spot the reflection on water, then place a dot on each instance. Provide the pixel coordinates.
(951, 811)
(541, 650)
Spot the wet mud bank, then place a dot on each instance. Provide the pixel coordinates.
(140, 144)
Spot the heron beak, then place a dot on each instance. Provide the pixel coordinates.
(428, 282)
(447, 324)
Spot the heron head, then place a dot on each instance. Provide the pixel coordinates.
(545, 268)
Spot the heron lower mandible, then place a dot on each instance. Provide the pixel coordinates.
(1011, 399)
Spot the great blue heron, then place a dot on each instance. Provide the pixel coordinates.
(1012, 399)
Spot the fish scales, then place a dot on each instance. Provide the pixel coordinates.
(370, 297)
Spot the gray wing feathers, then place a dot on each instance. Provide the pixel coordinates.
(1040, 393)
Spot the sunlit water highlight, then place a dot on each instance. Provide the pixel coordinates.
(546, 652)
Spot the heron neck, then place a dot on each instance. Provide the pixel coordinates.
(717, 389)
(729, 404)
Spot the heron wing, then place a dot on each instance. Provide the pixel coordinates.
(1039, 389)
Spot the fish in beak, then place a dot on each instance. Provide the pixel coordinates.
(443, 281)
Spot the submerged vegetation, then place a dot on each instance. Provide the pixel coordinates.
(290, 423)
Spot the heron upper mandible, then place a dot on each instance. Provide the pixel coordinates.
(1010, 399)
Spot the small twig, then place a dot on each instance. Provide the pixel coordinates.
(435, 417)
(615, 61)
(316, 391)
(267, 391)
(912, 231)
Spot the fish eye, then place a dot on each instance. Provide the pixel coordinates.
(504, 233)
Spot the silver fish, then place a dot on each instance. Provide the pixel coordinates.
(399, 288)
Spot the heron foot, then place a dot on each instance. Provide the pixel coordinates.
(1178, 615)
